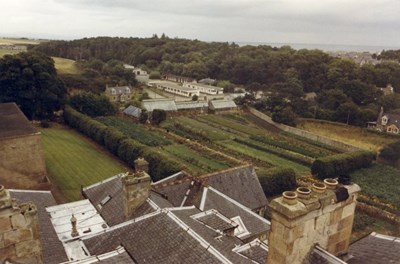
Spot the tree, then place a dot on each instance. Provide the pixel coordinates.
(285, 116)
(144, 116)
(30, 80)
(92, 105)
(155, 75)
(158, 115)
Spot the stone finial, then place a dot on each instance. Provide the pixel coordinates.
(74, 232)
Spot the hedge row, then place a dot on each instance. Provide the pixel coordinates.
(283, 153)
(339, 164)
(391, 152)
(120, 145)
(277, 180)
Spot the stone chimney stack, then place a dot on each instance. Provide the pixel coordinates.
(136, 188)
(19, 231)
(300, 220)
(141, 165)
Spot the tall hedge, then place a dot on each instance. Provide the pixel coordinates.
(277, 180)
(344, 163)
(391, 152)
(127, 149)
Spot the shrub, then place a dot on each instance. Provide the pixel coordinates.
(277, 180)
(158, 115)
(335, 165)
(391, 152)
(44, 124)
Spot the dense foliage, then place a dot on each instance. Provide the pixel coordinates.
(92, 105)
(96, 74)
(157, 116)
(391, 152)
(30, 80)
(340, 164)
(277, 180)
(120, 145)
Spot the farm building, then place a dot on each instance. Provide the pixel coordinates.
(204, 88)
(195, 106)
(176, 89)
(162, 104)
(119, 93)
(222, 106)
(133, 111)
(137, 71)
(22, 163)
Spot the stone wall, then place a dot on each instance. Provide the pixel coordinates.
(22, 164)
(19, 232)
(319, 220)
(303, 133)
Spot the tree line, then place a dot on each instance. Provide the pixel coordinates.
(346, 91)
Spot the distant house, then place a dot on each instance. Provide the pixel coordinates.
(204, 88)
(177, 78)
(137, 71)
(388, 122)
(388, 90)
(222, 106)
(119, 93)
(133, 111)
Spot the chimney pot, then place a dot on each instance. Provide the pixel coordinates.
(289, 197)
(74, 232)
(319, 187)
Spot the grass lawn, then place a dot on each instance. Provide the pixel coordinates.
(349, 134)
(74, 161)
(65, 66)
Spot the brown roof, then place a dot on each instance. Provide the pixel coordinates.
(376, 249)
(13, 122)
(53, 250)
(393, 119)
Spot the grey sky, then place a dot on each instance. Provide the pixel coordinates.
(351, 22)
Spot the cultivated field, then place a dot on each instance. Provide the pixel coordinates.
(349, 134)
(12, 41)
(74, 161)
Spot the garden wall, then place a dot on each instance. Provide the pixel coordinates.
(303, 133)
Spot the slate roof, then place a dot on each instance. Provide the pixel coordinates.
(179, 186)
(393, 119)
(255, 250)
(254, 225)
(119, 256)
(375, 248)
(113, 211)
(53, 250)
(163, 104)
(13, 122)
(156, 238)
(321, 256)
(133, 111)
(221, 104)
(241, 184)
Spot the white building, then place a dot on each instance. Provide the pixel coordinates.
(177, 89)
(204, 88)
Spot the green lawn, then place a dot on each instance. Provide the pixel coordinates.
(65, 66)
(74, 161)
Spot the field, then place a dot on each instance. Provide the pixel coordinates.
(74, 161)
(65, 66)
(349, 134)
(11, 41)
(244, 140)
(380, 181)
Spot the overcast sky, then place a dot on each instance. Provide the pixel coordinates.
(349, 22)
